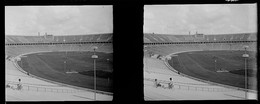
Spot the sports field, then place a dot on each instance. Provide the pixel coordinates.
(228, 69)
(51, 66)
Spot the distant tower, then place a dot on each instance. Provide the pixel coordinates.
(38, 33)
(189, 32)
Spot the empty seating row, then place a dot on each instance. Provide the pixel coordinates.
(15, 50)
(163, 38)
(167, 49)
(58, 39)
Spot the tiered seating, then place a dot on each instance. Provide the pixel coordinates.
(147, 40)
(150, 38)
(21, 39)
(163, 38)
(87, 38)
(33, 39)
(252, 36)
(252, 46)
(17, 50)
(219, 37)
(172, 38)
(106, 48)
(7, 40)
(211, 38)
(157, 38)
(172, 48)
(227, 37)
(189, 38)
(180, 38)
(11, 40)
(95, 38)
(226, 46)
(110, 39)
(219, 46)
(59, 39)
(237, 37)
(69, 38)
(245, 37)
(203, 46)
(104, 37)
(14, 50)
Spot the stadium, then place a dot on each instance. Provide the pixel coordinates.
(201, 66)
(59, 67)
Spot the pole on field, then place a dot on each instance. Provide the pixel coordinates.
(108, 69)
(94, 56)
(65, 56)
(245, 55)
(215, 62)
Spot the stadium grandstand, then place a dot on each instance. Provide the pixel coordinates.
(28, 44)
(32, 59)
(189, 60)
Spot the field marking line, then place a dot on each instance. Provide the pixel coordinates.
(46, 64)
(195, 62)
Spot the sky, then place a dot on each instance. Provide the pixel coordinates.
(203, 18)
(58, 20)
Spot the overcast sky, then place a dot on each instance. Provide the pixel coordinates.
(206, 19)
(58, 20)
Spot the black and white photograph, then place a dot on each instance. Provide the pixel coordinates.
(59, 53)
(200, 52)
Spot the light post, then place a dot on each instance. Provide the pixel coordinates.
(215, 58)
(108, 63)
(215, 64)
(245, 55)
(65, 65)
(80, 45)
(94, 56)
(21, 63)
(65, 45)
(65, 61)
(108, 69)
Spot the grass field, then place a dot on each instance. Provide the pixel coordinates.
(51, 66)
(201, 64)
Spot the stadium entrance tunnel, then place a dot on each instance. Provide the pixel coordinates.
(54, 65)
(224, 67)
